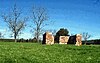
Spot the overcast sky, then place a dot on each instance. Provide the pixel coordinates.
(77, 16)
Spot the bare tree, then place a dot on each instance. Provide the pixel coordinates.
(86, 36)
(14, 21)
(39, 18)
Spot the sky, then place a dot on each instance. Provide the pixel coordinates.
(77, 16)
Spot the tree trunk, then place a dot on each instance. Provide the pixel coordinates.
(15, 37)
(37, 33)
(85, 42)
(37, 38)
(15, 40)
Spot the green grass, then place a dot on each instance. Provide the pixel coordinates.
(38, 53)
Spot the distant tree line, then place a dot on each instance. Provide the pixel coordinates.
(90, 42)
(34, 40)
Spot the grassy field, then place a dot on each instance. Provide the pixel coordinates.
(38, 53)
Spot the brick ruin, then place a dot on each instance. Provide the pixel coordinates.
(48, 39)
(63, 39)
(78, 40)
(72, 39)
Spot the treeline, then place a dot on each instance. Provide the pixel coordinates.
(34, 40)
(89, 42)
